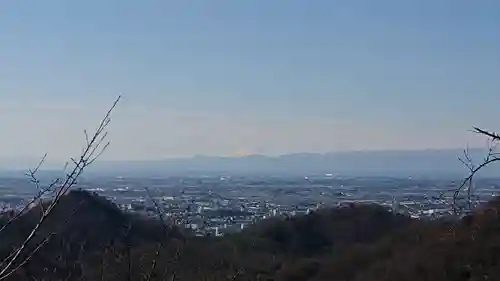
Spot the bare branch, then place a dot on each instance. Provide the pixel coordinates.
(238, 273)
(494, 136)
(36, 198)
(39, 164)
(490, 157)
(88, 156)
(161, 245)
(86, 137)
(40, 245)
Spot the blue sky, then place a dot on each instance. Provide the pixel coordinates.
(239, 77)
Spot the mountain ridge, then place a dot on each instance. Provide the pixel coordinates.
(396, 163)
(355, 163)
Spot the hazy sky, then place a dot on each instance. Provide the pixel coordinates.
(236, 77)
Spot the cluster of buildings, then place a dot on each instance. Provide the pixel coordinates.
(207, 213)
(218, 206)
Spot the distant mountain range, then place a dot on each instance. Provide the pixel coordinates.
(357, 163)
(402, 163)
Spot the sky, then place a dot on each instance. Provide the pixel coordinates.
(242, 77)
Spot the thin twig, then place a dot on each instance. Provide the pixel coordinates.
(161, 245)
(88, 156)
(491, 157)
(40, 245)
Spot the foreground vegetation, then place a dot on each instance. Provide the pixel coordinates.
(91, 239)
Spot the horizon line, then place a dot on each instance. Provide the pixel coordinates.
(11, 158)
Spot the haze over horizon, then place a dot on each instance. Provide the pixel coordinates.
(234, 78)
(436, 163)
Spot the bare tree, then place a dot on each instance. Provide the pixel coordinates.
(95, 145)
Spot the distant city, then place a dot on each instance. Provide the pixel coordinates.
(217, 205)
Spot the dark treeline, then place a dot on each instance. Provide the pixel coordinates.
(89, 238)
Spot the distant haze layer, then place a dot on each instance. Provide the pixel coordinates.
(362, 163)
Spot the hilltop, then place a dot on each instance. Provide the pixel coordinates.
(357, 242)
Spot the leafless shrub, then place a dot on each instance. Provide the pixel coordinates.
(95, 145)
(161, 245)
(492, 155)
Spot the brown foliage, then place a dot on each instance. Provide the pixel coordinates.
(363, 242)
